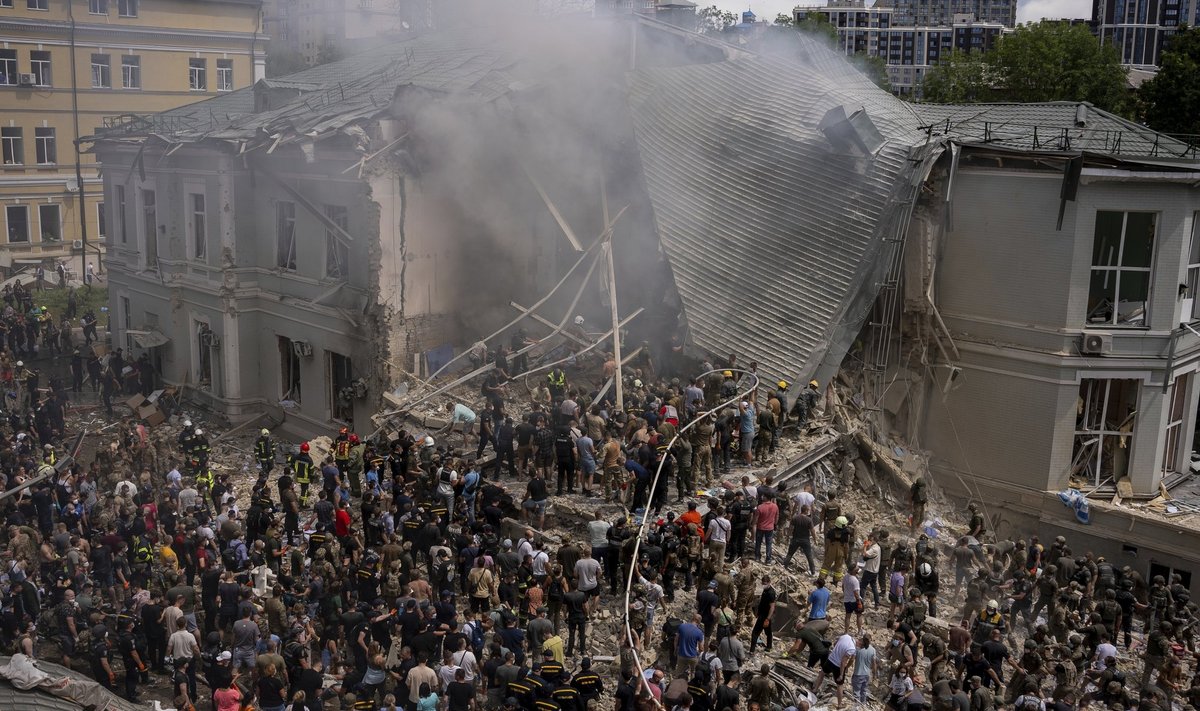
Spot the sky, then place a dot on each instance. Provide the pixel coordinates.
(1027, 10)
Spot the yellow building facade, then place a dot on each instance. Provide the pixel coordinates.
(67, 67)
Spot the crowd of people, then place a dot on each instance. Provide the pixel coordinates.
(413, 572)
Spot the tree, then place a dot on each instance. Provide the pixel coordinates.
(282, 61)
(874, 67)
(818, 25)
(1054, 61)
(713, 20)
(1171, 100)
(783, 19)
(961, 78)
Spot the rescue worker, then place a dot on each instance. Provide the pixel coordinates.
(918, 495)
(556, 381)
(302, 468)
(341, 451)
(806, 402)
(200, 450)
(264, 452)
(185, 439)
(837, 549)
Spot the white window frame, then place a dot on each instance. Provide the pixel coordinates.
(1193, 269)
(285, 231)
(1095, 429)
(8, 67)
(41, 5)
(1176, 447)
(14, 145)
(1116, 270)
(131, 71)
(41, 68)
(45, 146)
(58, 219)
(127, 8)
(197, 226)
(197, 74)
(224, 75)
(97, 7)
(101, 71)
(8, 225)
(120, 226)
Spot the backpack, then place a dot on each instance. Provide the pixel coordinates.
(229, 559)
(704, 668)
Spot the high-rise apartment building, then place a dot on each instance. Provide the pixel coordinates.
(1139, 29)
(67, 66)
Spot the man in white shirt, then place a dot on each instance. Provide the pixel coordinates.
(804, 498)
(718, 536)
(839, 661)
(870, 567)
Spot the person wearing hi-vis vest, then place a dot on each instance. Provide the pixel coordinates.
(302, 469)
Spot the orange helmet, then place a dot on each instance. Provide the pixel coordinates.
(304, 447)
(344, 430)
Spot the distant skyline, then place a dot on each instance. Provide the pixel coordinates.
(1027, 10)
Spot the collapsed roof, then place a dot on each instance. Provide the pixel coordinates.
(779, 187)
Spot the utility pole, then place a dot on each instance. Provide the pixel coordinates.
(612, 301)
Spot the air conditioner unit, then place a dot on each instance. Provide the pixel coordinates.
(302, 349)
(77, 244)
(1095, 343)
(25, 80)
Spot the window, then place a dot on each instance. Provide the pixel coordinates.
(341, 387)
(198, 74)
(119, 195)
(1175, 454)
(1156, 569)
(101, 222)
(98, 7)
(44, 145)
(17, 217)
(1104, 425)
(50, 220)
(13, 145)
(127, 8)
(204, 346)
(6, 3)
(37, 4)
(8, 67)
(289, 370)
(336, 249)
(1122, 255)
(198, 227)
(101, 72)
(131, 71)
(285, 234)
(150, 228)
(1193, 270)
(224, 75)
(39, 64)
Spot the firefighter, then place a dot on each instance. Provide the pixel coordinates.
(185, 439)
(264, 451)
(341, 451)
(556, 381)
(302, 467)
(200, 449)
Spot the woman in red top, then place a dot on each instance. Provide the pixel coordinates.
(341, 521)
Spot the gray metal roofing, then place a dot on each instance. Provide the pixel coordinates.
(1050, 126)
(37, 700)
(771, 233)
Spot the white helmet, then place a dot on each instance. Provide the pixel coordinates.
(187, 423)
(266, 431)
(428, 441)
(925, 570)
(199, 431)
(20, 363)
(578, 320)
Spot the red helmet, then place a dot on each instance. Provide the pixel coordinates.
(353, 439)
(304, 447)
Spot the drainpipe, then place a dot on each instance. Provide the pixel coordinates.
(78, 163)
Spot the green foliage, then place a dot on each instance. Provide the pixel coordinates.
(56, 298)
(1171, 100)
(1054, 61)
(282, 61)
(1043, 61)
(713, 20)
(817, 24)
(874, 67)
(783, 19)
(961, 78)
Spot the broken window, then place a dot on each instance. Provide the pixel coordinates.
(150, 228)
(1175, 454)
(1105, 417)
(1122, 255)
(1193, 272)
(341, 388)
(337, 252)
(285, 234)
(289, 369)
(204, 346)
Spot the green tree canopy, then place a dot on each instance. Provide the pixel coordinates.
(1043, 61)
(714, 20)
(1171, 100)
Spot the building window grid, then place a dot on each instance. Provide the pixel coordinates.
(8, 66)
(131, 71)
(101, 71)
(150, 227)
(224, 75)
(198, 74)
(1122, 261)
(7, 4)
(13, 144)
(45, 145)
(1174, 458)
(1193, 269)
(39, 65)
(1104, 429)
(199, 227)
(127, 8)
(98, 7)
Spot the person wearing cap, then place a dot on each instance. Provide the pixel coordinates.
(806, 402)
(746, 422)
(588, 682)
(226, 695)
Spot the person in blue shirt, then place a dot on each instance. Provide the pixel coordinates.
(641, 483)
(689, 640)
(818, 601)
(746, 416)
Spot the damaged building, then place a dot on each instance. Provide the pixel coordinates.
(1009, 287)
